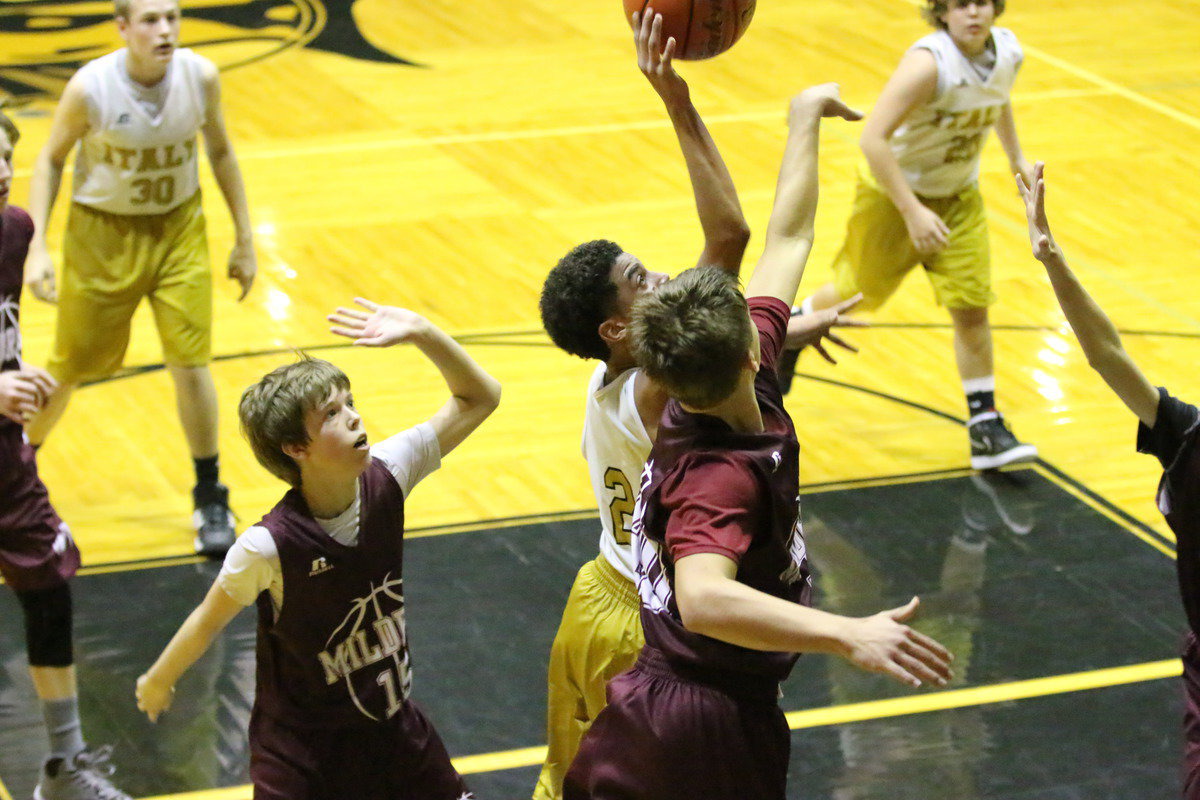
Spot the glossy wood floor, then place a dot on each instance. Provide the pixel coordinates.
(451, 187)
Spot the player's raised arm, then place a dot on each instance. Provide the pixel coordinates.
(725, 230)
(474, 393)
(1096, 333)
(789, 235)
(243, 264)
(156, 688)
(69, 125)
(714, 603)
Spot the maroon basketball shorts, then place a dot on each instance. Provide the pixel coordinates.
(401, 759)
(1191, 718)
(665, 737)
(36, 549)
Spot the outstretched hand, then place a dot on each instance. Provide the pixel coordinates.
(1040, 237)
(882, 643)
(823, 100)
(382, 327)
(654, 58)
(809, 330)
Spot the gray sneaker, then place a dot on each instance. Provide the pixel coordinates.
(84, 777)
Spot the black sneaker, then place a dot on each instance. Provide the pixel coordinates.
(215, 524)
(993, 444)
(84, 777)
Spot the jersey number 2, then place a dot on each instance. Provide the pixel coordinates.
(621, 506)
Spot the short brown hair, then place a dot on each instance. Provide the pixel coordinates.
(272, 411)
(121, 8)
(10, 128)
(692, 335)
(934, 9)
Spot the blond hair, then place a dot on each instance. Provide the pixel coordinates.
(272, 411)
(692, 335)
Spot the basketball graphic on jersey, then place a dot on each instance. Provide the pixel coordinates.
(10, 334)
(368, 652)
(42, 43)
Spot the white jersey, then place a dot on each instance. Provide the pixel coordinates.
(131, 160)
(615, 444)
(938, 145)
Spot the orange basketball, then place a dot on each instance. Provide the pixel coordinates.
(702, 28)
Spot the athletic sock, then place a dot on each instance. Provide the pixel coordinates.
(63, 727)
(981, 395)
(207, 471)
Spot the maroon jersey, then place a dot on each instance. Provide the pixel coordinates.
(337, 656)
(1173, 439)
(709, 489)
(16, 229)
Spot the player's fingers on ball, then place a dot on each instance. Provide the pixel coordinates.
(668, 51)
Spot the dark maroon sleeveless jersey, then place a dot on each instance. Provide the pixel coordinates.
(1175, 440)
(16, 229)
(337, 656)
(709, 489)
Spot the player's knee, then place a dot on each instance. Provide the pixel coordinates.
(48, 626)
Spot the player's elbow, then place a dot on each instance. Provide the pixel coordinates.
(699, 605)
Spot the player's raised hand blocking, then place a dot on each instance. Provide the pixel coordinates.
(1034, 195)
(826, 100)
(654, 57)
(378, 326)
(883, 643)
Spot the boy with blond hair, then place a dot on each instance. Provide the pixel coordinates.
(332, 718)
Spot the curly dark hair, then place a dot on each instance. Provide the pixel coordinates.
(578, 295)
(933, 10)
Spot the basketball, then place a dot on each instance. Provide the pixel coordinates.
(702, 28)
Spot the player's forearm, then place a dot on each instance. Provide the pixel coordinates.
(789, 235)
(466, 380)
(228, 175)
(1098, 336)
(189, 643)
(1006, 132)
(43, 191)
(888, 174)
(721, 219)
(732, 612)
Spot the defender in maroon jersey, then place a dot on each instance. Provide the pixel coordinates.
(1168, 428)
(722, 571)
(37, 554)
(332, 717)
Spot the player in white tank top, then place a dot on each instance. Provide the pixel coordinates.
(135, 114)
(133, 160)
(615, 445)
(938, 145)
(920, 203)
